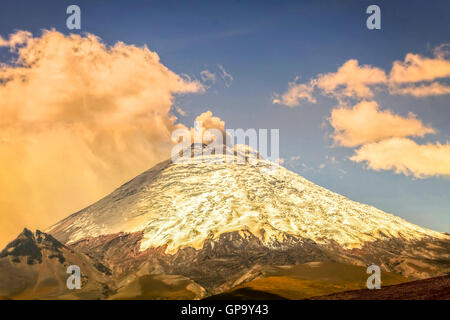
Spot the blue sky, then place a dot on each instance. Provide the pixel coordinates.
(264, 46)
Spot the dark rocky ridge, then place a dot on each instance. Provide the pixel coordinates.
(30, 245)
(34, 266)
(437, 288)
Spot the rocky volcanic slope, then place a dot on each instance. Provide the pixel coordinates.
(213, 221)
(34, 265)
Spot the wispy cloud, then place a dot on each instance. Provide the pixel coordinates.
(226, 77)
(180, 111)
(208, 76)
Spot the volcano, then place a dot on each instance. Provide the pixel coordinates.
(193, 229)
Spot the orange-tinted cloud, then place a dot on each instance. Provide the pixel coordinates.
(416, 68)
(417, 75)
(78, 118)
(352, 80)
(406, 156)
(295, 93)
(422, 90)
(204, 122)
(15, 39)
(365, 123)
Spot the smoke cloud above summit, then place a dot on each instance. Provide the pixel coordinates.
(78, 118)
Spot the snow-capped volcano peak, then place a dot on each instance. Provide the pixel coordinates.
(182, 204)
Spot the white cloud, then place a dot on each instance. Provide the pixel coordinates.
(208, 76)
(226, 77)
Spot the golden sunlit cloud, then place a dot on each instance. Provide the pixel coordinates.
(352, 80)
(365, 123)
(78, 118)
(15, 39)
(416, 68)
(207, 121)
(378, 130)
(416, 75)
(406, 156)
(295, 93)
(423, 90)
